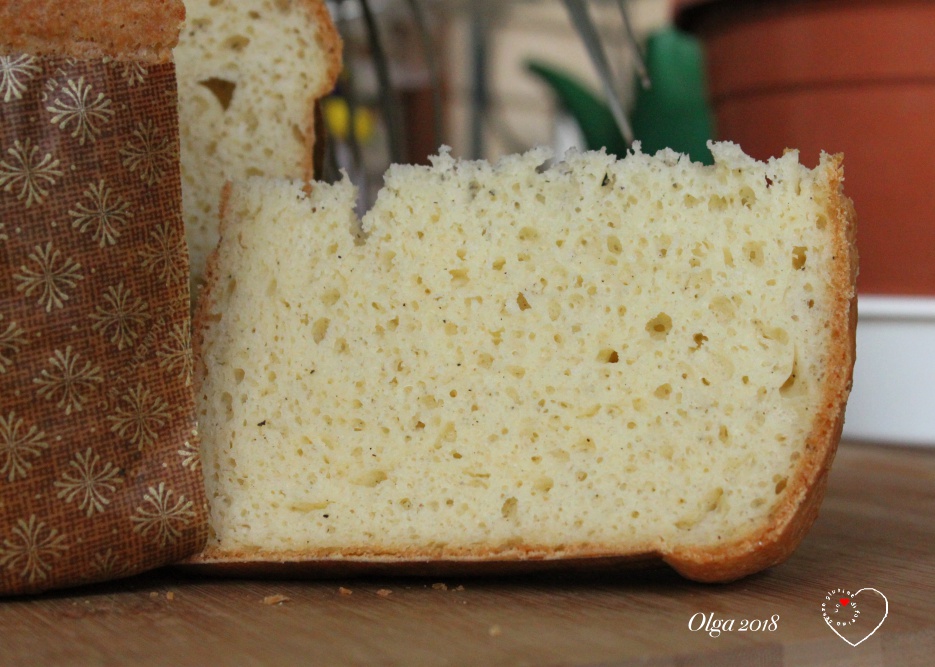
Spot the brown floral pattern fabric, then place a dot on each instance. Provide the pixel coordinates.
(99, 466)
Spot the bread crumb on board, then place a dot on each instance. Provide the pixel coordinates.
(275, 599)
(384, 592)
(440, 586)
(495, 631)
(345, 591)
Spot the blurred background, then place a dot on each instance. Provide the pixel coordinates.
(491, 77)
(467, 80)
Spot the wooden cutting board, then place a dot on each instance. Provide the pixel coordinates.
(876, 530)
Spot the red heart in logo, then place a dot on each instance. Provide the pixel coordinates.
(844, 601)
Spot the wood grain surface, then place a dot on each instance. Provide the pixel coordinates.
(876, 529)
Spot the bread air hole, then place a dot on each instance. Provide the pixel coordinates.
(798, 257)
(237, 42)
(508, 509)
(728, 258)
(791, 387)
(330, 296)
(753, 251)
(713, 499)
(555, 310)
(228, 401)
(459, 277)
(320, 329)
(659, 326)
(370, 478)
(723, 308)
(699, 339)
(608, 356)
(222, 89)
(716, 203)
(528, 234)
(522, 302)
(663, 243)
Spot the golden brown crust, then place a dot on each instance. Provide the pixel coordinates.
(144, 30)
(772, 544)
(204, 301)
(793, 517)
(289, 566)
(330, 42)
(419, 562)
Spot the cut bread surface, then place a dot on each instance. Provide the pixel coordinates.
(250, 73)
(600, 358)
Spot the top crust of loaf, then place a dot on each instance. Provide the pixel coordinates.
(330, 41)
(145, 30)
(769, 545)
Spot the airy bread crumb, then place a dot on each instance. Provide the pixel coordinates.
(600, 358)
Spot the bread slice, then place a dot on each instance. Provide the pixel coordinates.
(603, 359)
(250, 73)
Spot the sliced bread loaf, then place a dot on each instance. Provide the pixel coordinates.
(250, 73)
(601, 359)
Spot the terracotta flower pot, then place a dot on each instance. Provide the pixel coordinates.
(850, 76)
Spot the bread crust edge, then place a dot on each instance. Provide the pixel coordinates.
(332, 45)
(141, 30)
(796, 513)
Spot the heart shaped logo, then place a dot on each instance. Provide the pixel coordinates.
(851, 621)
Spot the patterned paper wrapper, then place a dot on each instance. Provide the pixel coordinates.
(99, 465)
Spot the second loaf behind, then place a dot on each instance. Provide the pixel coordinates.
(250, 73)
